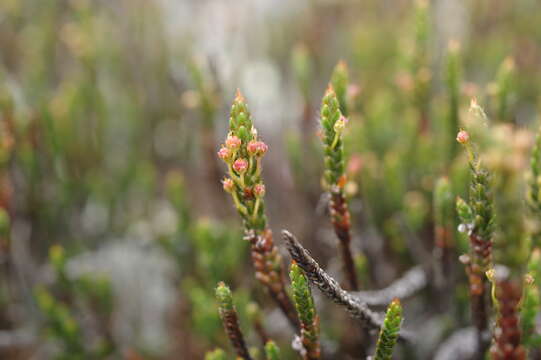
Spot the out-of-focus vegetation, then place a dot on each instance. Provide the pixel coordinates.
(115, 229)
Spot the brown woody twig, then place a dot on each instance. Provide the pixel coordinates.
(330, 287)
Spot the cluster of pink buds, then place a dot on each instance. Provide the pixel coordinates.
(232, 145)
(242, 151)
(240, 165)
(225, 154)
(233, 142)
(257, 148)
(232, 149)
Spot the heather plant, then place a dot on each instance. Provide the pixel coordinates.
(389, 331)
(229, 317)
(334, 178)
(477, 220)
(61, 307)
(243, 152)
(530, 308)
(110, 115)
(304, 303)
(507, 293)
(530, 304)
(201, 237)
(62, 325)
(477, 217)
(534, 194)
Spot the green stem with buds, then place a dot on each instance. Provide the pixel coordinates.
(229, 317)
(306, 309)
(242, 152)
(477, 219)
(333, 123)
(388, 334)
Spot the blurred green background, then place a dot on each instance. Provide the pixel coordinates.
(114, 226)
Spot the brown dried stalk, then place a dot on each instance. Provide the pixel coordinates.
(330, 288)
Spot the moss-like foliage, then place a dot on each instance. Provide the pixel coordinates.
(229, 317)
(304, 303)
(332, 123)
(389, 332)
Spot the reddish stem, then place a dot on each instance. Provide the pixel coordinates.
(269, 271)
(507, 334)
(340, 218)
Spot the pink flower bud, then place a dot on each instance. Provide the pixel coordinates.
(257, 148)
(252, 147)
(240, 166)
(228, 184)
(262, 148)
(233, 142)
(462, 137)
(259, 190)
(224, 154)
